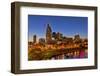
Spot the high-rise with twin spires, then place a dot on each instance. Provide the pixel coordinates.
(48, 33)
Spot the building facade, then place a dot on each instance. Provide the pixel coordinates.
(34, 39)
(48, 33)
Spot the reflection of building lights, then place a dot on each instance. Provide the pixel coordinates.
(55, 41)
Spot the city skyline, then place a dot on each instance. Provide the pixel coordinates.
(63, 24)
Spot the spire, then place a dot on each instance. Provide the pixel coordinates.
(49, 28)
(48, 33)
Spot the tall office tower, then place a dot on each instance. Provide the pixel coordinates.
(48, 33)
(34, 39)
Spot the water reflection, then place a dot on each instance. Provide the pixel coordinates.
(72, 55)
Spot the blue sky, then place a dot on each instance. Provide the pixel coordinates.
(67, 25)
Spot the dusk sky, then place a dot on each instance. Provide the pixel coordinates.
(67, 25)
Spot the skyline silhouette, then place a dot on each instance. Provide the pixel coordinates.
(67, 25)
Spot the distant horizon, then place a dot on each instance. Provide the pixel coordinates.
(67, 25)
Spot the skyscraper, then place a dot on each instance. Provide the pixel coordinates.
(77, 37)
(59, 35)
(48, 33)
(34, 39)
(42, 40)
